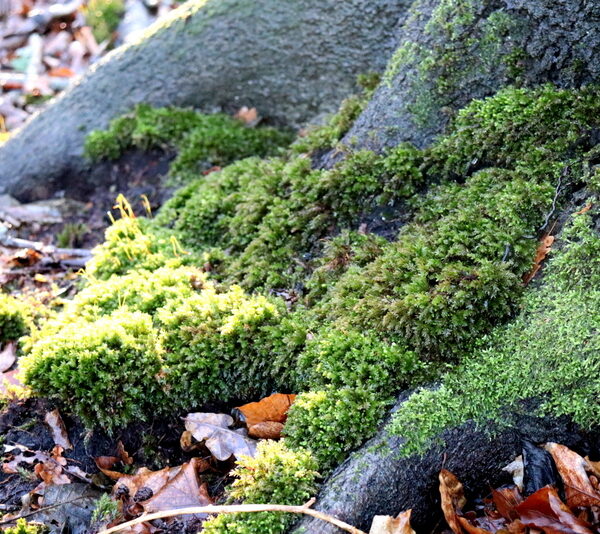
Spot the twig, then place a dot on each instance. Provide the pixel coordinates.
(235, 509)
(564, 174)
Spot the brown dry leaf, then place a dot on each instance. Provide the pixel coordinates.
(187, 442)
(594, 467)
(51, 473)
(123, 454)
(58, 429)
(144, 478)
(248, 116)
(470, 528)
(540, 255)
(385, 524)
(545, 511)
(213, 429)
(572, 469)
(272, 408)
(21, 455)
(266, 430)
(453, 499)
(106, 464)
(8, 356)
(506, 501)
(25, 258)
(181, 490)
(585, 209)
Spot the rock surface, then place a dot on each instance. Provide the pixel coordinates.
(453, 51)
(375, 480)
(291, 60)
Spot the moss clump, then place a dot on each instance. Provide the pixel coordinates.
(550, 352)
(23, 527)
(140, 290)
(127, 246)
(103, 16)
(432, 285)
(106, 370)
(277, 475)
(358, 360)
(218, 347)
(332, 422)
(14, 318)
(201, 141)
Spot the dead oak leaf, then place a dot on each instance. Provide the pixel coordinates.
(545, 511)
(540, 255)
(8, 356)
(58, 429)
(453, 499)
(385, 524)
(272, 408)
(223, 442)
(572, 468)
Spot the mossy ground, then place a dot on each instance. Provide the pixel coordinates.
(264, 276)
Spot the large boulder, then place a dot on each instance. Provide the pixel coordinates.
(291, 60)
(451, 52)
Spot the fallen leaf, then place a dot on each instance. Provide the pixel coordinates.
(544, 510)
(213, 429)
(572, 469)
(385, 524)
(181, 490)
(506, 501)
(106, 464)
(21, 455)
(187, 442)
(57, 427)
(453, 499)
(61, 72)
(266, 430)
(50, 473)
(248, 116)
(540, 255)
(585, 209)
(25, 258)
(594, 467)
(123, 454)
(469, 528)
(8, 356)
(272, 408)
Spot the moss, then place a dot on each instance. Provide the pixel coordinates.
(549, 353)
(23, 527)
(352, 359)
(332, 422)
(104, 16)
(431, 285)
(105, 371)
(15, 318)
(200, 141)
(277, 475)
(218, 347)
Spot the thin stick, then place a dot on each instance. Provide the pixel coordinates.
(43, 509)
(238, 508)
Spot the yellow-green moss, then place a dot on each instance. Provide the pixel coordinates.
(15, 319)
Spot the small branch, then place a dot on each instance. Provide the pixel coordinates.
(235, 509)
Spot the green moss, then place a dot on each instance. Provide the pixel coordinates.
(218, 347)
(277, 475)
(15, 320)
(362, 361)
(105, 371)
(332, 422)
(201, 141)
(104, 16)
(550, 353)
(23, 527)
(431, 285)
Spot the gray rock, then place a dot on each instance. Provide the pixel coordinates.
(376, 480)
(451, 52)
(291, 60)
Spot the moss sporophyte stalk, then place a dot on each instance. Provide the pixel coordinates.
(363, 316)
